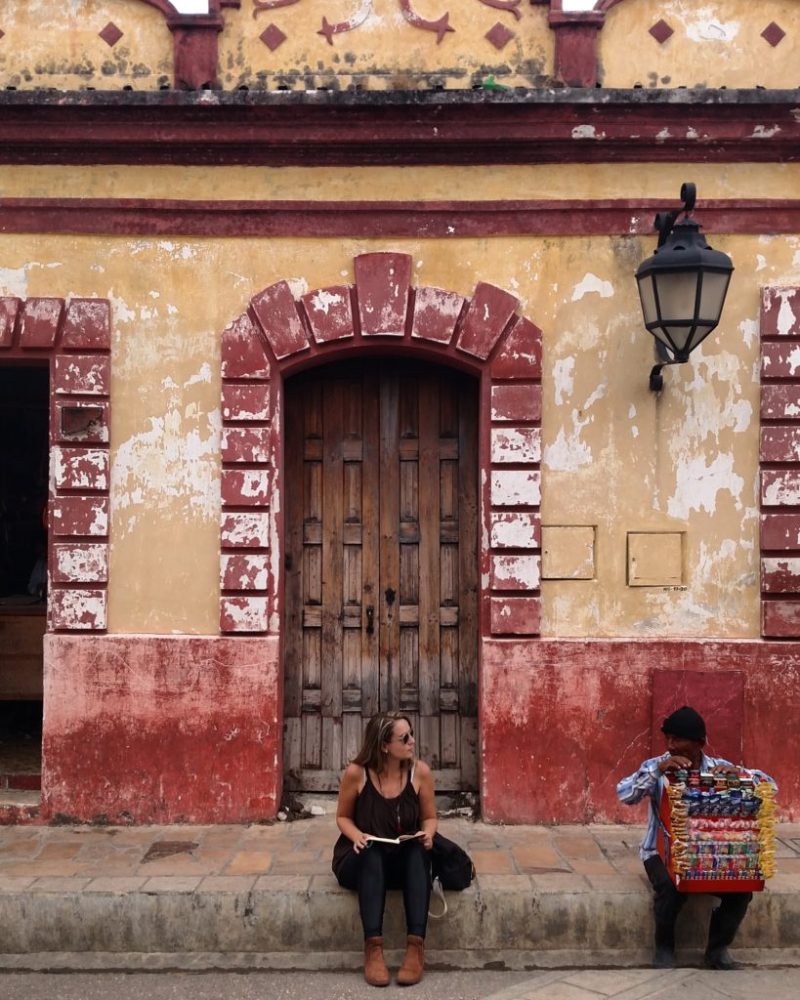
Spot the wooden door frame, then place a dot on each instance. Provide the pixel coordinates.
(381, 314)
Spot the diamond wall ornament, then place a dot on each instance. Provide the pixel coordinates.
(110, 34)
(272, 37)
(773, 33)
(661, 31)
(499, 36)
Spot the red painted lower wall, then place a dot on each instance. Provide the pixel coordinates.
(563, 721)
(156, 729)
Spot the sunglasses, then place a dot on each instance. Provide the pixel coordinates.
(406, 737)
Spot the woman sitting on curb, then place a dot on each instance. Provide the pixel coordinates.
(385, 793)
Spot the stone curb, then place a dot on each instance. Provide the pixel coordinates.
(538, 929)
(291, 961)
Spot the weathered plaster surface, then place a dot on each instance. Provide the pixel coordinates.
(564, 721)
(614, 454)
(715, 43)
(161, 730)
(624, 459)
(58, 45)
(570, 181)
(382, 49)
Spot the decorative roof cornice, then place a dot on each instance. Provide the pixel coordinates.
(455, 127)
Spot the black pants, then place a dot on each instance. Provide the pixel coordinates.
(668, 903)
(380, 867)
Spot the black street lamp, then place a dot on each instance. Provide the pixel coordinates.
(682, 287)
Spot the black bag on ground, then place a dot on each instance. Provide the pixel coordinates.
(451, 864)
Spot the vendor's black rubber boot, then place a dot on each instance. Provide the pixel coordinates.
(663, 958)
(720, 959)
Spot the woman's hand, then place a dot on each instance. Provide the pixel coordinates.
(427, 840)
(360, 841)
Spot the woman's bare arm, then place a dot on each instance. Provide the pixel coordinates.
(427, 803)
(349, 787)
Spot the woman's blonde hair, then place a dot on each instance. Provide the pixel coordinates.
(378, 731)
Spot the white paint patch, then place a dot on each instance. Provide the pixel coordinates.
(587, 132)
(749, 331)
(14, 281)
(698, 484)
(172, 465)
(119, 307)
(323, 301)
(564, 379)
(763, 132)
(786, 318)
(204, 375)
(297, 286)
(598, 393)
(591, 283)
(631, 411)
(568, 452)
(704, 27)
(761, 262)
(664, 134)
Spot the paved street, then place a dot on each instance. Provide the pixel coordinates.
(587, 984)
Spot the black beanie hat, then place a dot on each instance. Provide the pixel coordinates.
(685, 722)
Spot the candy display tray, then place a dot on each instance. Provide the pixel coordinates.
(712, 885)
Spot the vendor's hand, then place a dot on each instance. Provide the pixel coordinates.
(361, 843)
(674, 763)
(427, 841)
(724, 769)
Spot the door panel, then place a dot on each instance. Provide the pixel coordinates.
(381, 566)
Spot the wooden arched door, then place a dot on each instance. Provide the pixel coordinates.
(381, 548)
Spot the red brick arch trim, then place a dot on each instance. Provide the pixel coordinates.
(780, 463)
(75, 338)
(381, 313)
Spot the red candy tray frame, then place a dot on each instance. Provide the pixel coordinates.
(714, 885)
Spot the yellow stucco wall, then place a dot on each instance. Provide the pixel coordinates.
(567, 181)
(57, 44)
(615, 456)
(385, 51)
(716, 43)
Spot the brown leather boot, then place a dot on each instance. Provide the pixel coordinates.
(410, 971)
(375, 971)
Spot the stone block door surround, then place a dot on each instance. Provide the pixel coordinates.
(74, 338)
(381, 313)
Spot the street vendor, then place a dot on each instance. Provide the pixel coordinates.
(685, 735)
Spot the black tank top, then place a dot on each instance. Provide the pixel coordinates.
(381, 817)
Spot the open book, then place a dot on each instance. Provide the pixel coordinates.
(397, 840)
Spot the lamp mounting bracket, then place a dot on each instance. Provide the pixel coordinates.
(665, 221)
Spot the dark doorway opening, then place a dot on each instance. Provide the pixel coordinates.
(24, 461)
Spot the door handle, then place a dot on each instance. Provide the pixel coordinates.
(370, 619)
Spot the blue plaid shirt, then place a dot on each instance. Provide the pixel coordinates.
(647, 781)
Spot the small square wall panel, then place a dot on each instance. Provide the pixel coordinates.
(655, 559)
(568, 552)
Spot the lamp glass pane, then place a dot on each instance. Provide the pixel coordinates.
(712, 296)
(677, 294)
(679, 335)
(688, 337)
(659, 334)
(648, 298)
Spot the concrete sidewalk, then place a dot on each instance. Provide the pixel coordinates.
(264, 897)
